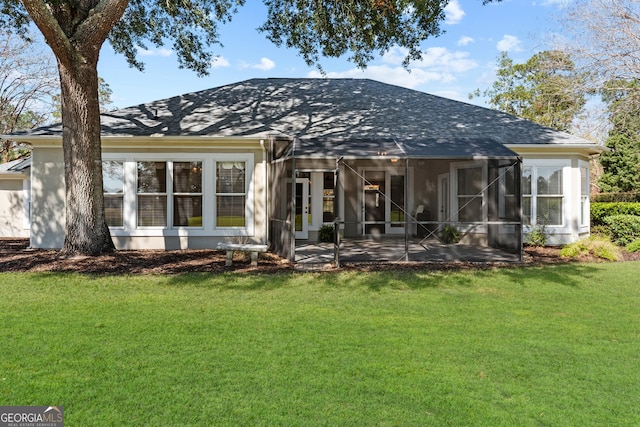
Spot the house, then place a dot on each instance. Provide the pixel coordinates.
(274, 160)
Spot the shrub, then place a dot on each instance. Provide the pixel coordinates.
(633, 246)
(450, 234)
(597, 246)
(574, 250)
(537, 236)
(616, 197)
(601, 230)
(326, 233)
(601, 210)
(624, 228)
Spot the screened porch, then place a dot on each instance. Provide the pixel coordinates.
(385, 201)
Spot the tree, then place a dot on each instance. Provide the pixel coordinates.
(602, 36)
(546, 89)
(28, 78)
(76, 30)
(621, 165)
(104, 99)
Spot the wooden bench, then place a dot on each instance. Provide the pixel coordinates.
(242, 247)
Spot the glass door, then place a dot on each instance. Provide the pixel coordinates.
(302, 213)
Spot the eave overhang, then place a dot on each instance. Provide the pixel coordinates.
(587, 150)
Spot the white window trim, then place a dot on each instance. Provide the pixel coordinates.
(565, 164)
(585, 219)
(208, 227)
(172, 195)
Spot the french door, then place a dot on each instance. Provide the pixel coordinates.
(383, 202)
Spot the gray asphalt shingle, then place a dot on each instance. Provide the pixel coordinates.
(332, 117)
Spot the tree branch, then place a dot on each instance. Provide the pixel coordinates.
(41, 15)
(93, 30)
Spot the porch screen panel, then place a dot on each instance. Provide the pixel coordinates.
(152, 194)
(507, 196)
(187, 194)
(397, 201)
(470, 194)
(231, 196)
(113, 185)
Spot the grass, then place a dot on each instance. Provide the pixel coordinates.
(557, 345)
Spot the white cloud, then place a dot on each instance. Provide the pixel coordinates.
(265, 64)
(393, 75)
(509, 44)
(395, 55)
(442, 59)
(434, 58)
(465, 40)
(154, 52)
(219, 62)
(454, 12)
(439, 68)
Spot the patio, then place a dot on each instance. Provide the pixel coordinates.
(393, 249)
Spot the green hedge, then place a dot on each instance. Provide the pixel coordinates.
(616, 197)
(601, 210)
(624, 228)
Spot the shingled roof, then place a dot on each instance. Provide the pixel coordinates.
(332, 117)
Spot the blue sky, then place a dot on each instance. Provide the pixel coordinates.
(453, 64)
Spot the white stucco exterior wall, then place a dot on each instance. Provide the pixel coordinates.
(14, 205)
(48, 207)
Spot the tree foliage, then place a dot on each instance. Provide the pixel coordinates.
(621, 165)
(545, 89)
(76, 30)
(357, 28)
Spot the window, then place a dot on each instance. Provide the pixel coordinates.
(584, 196)
(328, 197)
(542, 195)
(152, 194)
(470, 194)
(181, 194)
(231, 194)
(113, 187)
(187, 194)
(549, 196)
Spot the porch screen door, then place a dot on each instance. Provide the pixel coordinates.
(374, 202)
(443, 198)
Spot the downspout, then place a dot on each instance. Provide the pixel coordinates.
(267, 184)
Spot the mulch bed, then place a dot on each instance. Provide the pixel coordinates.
(16, 257)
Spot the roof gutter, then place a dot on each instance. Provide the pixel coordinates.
(586, 149)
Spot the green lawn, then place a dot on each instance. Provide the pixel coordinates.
(552, 346)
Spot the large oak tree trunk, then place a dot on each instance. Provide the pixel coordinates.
(86, 230)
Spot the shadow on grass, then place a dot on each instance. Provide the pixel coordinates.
(569, 274)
